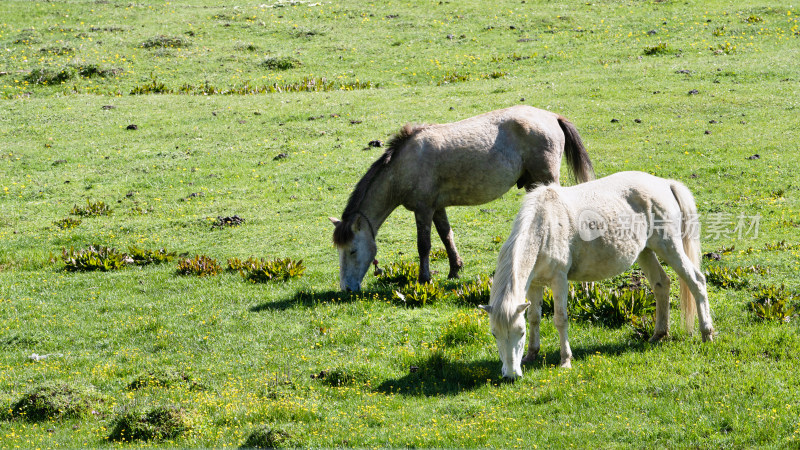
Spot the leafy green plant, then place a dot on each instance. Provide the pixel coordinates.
(93, 257)
(771, 303)
(401, 273)
(67, 223)
(418, 294)
(200, 265)
(158, 423)
(142, 257)
(734, 278)
(642, 326)
(153, 87)
(55, 400)
(98, 208)
(610, 307)
(263, 270)
(475, 292)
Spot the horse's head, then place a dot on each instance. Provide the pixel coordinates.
(355, 241)
(508, 329)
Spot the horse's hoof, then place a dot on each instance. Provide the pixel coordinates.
(657, 337)
(708, 337)
(453, 275)
(566, 364)
(530, 357)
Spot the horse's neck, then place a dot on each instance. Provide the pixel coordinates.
(379, 201)
(515, 263)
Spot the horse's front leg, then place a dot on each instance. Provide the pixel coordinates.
(535, 294)
(424, 219)
(446, 234)
(560, 289)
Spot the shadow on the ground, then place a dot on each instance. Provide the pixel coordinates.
(439, 375)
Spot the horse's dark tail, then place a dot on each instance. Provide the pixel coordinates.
(578, 160)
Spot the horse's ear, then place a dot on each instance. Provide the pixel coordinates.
(521, 308)
(486, 308)
(334, 221)
(356, 224)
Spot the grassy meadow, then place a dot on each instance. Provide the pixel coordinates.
(179, 115)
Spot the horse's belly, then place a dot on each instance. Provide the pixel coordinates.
(599, 260)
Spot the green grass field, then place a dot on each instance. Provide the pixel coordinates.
(264, 111)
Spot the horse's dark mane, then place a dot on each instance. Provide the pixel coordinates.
(343, 233)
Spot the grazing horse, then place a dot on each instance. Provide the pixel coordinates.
(427, 168)
(590, 232)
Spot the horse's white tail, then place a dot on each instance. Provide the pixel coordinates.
(690, 231)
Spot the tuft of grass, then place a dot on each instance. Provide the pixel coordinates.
(164, 378)
(67, 223)
(726, 48)
(98, 208)
(50, 75)
(280, 63)
(165, 41)
(752, 18)
(662, 48)
(200, 265)
(245, 46)
(307, 84)
(265, 436)
(465, 328)
(356, 374)
(153, 424)
(93, 257)
(55, 400)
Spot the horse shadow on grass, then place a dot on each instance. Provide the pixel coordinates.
(311, 299)
(438, 375)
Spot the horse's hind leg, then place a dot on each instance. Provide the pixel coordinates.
(674, 255)
(446, 234)
(659, 283)
(535, 294)
(560, 289)
(423, 219)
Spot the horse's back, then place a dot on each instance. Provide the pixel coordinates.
(478, 159)
(609, 220)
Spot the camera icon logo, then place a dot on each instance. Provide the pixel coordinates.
(591, 225)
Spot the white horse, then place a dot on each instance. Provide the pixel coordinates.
(590, 232)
